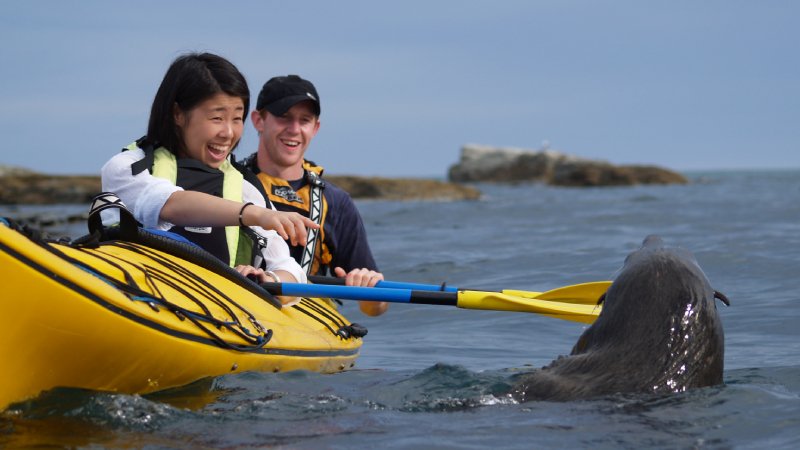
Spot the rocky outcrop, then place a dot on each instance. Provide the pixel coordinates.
(605, 174)
(508, 165)
(21, 186)
(403, 188)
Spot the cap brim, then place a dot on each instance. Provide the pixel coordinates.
(280, 107)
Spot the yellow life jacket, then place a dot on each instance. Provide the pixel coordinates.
(310, 202)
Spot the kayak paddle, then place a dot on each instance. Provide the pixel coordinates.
(567, 303)
(583, 294)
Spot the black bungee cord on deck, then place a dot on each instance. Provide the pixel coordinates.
(130, 288)
(188, 280)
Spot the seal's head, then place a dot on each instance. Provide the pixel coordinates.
(658, 332)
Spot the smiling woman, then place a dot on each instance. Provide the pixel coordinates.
(181, 176)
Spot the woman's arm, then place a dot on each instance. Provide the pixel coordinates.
(190, 208)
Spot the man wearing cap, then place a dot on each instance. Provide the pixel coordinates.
(287, 119)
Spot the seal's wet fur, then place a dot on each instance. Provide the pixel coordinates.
(658, 332)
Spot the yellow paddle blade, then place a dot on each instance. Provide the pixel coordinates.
(565, 310)
(583, 294)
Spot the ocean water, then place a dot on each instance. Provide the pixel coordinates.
(435, 376)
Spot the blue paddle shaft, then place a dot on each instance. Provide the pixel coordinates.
(362, 293)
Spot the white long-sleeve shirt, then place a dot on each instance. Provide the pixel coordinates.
(145, 196)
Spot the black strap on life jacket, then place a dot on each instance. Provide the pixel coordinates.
(149, 159)
(316, 185)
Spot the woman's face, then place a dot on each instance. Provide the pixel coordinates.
(211, 129)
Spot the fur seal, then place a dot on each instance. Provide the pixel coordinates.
(659, 332)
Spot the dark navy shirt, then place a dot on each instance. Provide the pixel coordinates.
(345, 234)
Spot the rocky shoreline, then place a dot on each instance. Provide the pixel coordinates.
(478, 164)
(20, 186)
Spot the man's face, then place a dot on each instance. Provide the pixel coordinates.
(285, 138)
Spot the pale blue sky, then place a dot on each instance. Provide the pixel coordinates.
(681, 84)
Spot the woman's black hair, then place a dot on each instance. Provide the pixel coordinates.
(190, 80)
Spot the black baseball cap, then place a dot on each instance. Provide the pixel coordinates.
(281, 93)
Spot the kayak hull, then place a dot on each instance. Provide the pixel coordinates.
(124, 317)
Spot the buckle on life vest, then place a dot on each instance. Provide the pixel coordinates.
(314, 179)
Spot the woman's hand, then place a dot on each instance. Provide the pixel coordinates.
(365, 278)
(291, 226)
(257, 275)
(261, 276)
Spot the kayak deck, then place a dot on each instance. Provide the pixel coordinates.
(126, 317)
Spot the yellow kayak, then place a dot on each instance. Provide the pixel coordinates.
(139, 317)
